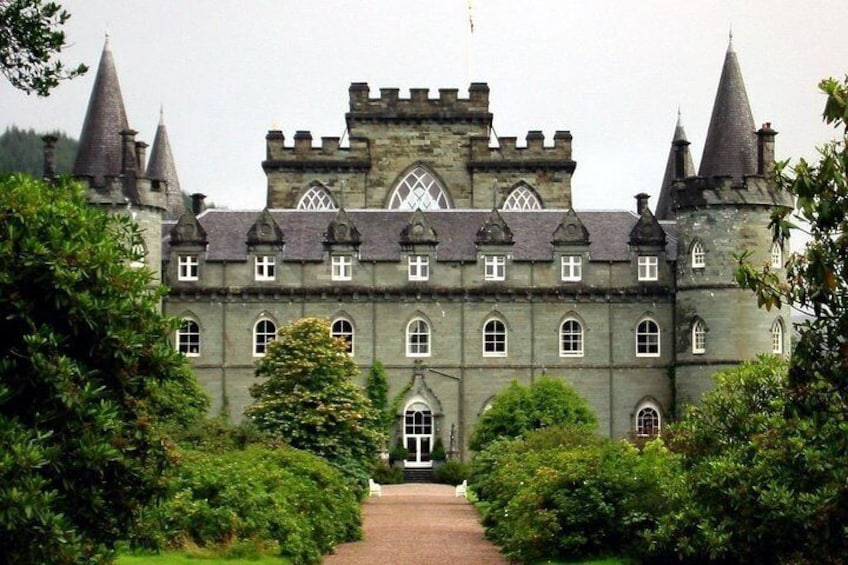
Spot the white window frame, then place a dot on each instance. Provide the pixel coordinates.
(317, 198)
(522, 197)
(699, 337)
(699, 256)
(418, 267)
(776, 256)
(418, 338)
(263, 337)
(188, 268)
(777, 337)
(419, 189)
(265, 268)
(648, 341)
(571, 268)
(648, 268)
(571, 335)
(188, 338)
(341, 268)
(656, 420)
(338, 329)
(495, 337)
(494, 267)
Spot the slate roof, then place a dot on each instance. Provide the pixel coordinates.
(161, 167)
(609, 232)
(99, 151)
(731, 146)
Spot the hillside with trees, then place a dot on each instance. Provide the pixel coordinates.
(22, 151)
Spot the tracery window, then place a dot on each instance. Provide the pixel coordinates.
(777, 337)
(522, 197)
(699, 337)
(647, 421)
(647, 339)
(418, 338)
(776, 256)
(264, 333)
(571, 339)
(419, 190)
(343, 329)
(317, 198)
(699, 257)
(494, 339)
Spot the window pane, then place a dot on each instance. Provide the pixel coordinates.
(419, 190)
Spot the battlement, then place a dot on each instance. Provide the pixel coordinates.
(535, 154)
(127, 190)
(754, 190)
(304, 155)
(419, 106)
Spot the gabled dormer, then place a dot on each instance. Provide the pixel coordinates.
(494, 247)
(264, 245)
(418, 241)
(188, 249)
(647, 244)
(570, 247)
(341, 240)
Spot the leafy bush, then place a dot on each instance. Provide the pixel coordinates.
(451, 472)
(565, 493)
(386, 474)
(241, 498)
(89, 383)
(547, 402)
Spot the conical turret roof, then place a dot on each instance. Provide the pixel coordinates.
(730, 148)
(666, 199)
(99, 152)
(162, 167)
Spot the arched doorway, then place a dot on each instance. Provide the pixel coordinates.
(418, 434)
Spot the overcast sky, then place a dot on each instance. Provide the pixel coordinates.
(613, 73)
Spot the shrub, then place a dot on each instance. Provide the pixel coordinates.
(451, 472)
(386, 474)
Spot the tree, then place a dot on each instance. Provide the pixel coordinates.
(309, 398)
(22, 151)
(89, 382)
(31, 39)
(547, 402)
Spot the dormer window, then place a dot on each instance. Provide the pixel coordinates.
(571, 268)
(648, 268)
(418, 267)
(187, 268)
(494, 267)
(265, 268)
(341, 268)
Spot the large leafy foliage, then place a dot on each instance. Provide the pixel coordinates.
(518, 409)
(88, 378)
(31, 39)
(309, 397)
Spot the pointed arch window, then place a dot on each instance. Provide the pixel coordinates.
(264, 333)
(418, 338)
(776, 256)
(571, 338)
(343, 328)
(777, 337)
(317, 198)
(419, 189)
(699, 257)
(648, 421)
(699, 337)
(188, 338)
(494, 339)
(522, 197)
(647, 339)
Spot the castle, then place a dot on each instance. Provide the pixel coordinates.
(459, 262)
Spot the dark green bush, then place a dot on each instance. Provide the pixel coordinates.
(451, 472)
(386, 474)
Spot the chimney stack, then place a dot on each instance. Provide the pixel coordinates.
(197, 203)
(49, 157)
(141, 158)
(641, 203)
(681, 146)
(765, 149)
(128, 158)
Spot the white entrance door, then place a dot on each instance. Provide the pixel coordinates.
(418, 434)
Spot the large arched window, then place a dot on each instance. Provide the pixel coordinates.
(419, 189)
(342, 328)
(777, 337)
(647, 339)
(699, 337)
(648, 420)
(317, 198)
(522, 197)
(418, 338)
(188, 338)
(494, 339)
(571, 338)
(264, 333)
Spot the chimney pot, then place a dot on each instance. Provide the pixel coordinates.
(49, 156)
(197, 204)
(641, 203)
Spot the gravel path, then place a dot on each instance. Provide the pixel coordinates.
(418, 524)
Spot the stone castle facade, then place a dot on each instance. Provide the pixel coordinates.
(459, 262)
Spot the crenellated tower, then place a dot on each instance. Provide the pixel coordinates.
(112, 164)
(724, 211)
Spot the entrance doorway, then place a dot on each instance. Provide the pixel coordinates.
(418, 434)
